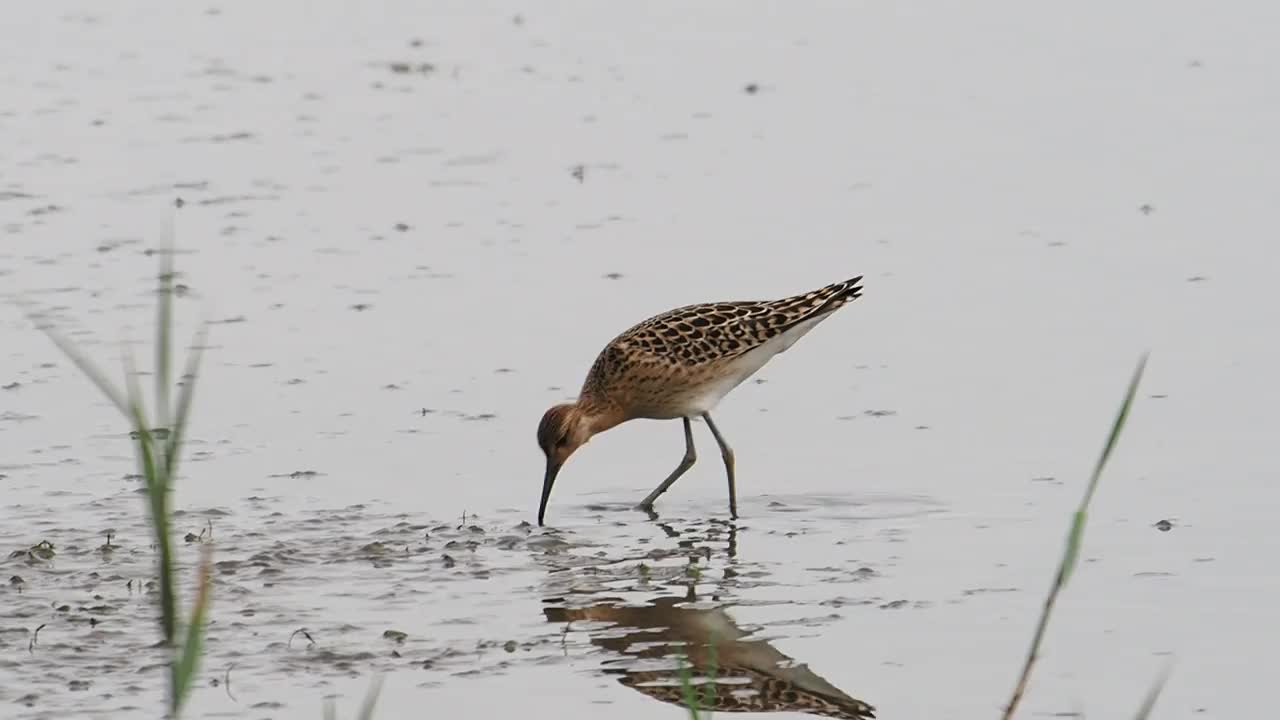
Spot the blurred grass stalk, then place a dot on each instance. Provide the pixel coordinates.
(688, 691)
(1071, 556)
(157, 451)
(694, 701)
(366, 706)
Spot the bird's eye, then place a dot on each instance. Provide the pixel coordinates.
(562, 441)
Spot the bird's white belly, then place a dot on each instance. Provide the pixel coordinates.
(743, 367)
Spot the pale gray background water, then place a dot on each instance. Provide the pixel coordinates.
(985, 166)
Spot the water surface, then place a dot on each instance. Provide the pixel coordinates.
(414, 225)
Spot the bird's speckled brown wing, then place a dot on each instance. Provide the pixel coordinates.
(706, 333)
(745, 690)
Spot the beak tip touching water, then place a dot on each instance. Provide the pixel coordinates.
(547, 481)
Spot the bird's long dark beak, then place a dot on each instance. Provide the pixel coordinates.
(547, 481)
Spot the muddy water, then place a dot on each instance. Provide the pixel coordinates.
(413, 226)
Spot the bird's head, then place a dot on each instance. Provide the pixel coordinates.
(562, 430)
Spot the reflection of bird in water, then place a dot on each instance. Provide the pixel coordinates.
(749, 675)
(680, 364)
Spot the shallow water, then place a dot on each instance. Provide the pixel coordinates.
(414, 225)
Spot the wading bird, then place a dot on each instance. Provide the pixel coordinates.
(681, 364)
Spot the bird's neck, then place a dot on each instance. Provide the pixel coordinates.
(599, 414)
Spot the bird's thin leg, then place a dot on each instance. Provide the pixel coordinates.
(690, 455)
(726, 452)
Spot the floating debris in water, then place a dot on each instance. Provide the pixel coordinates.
(35, 637)
(298, 474)
(373, 548)
(225, 137)
(42, 551)
(303, 632)
(984, 591)
(395, 636)
(1164, 525)
(405, 68)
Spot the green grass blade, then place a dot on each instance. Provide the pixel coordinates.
(152, 473)
(689, 693)
(164, 327)
(185, 395)
(184, 671)
(158, 504)
(1116, 428)
(157, 455)
(1075, 537)
(366, 706)
(370, 699)
(1077, 528)
(1149, 702)
(709, 688)
(82, 362)
(157, 484)
(168, 594)
(1071, 552)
